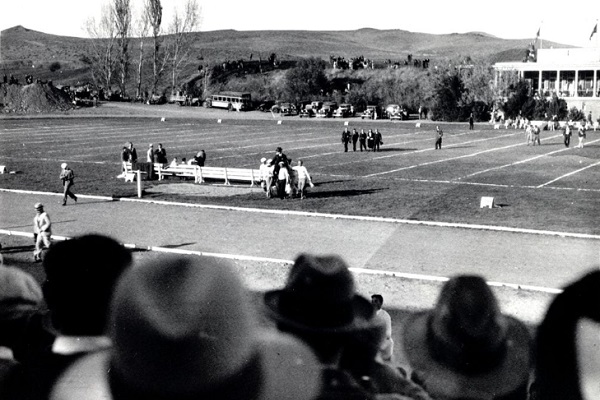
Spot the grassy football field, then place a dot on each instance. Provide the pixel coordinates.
(547, 187)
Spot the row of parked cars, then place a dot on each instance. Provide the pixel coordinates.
(330, 109)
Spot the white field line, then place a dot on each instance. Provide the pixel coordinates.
(331, 216)
(517, 162)
(444, 160)
(569, 174)
(357, 271)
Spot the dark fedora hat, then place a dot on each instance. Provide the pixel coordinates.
(319, 296)
(465, 347)
(183, 328)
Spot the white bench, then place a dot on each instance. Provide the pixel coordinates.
(201, 173)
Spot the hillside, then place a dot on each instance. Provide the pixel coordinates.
(24, 51)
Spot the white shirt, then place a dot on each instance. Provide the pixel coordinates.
(302, 172)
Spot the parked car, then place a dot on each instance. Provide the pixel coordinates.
(324, 113)
(371, 112)
(266, 106)
(284, 109)
(157, 99)
(400, 115)
(343, 111)
(307, 113)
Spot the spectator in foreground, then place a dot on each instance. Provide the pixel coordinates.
(465, 348)
(568, 344)
(386, 348)
(20, 297)
(81, 274)
(319, 304)
(190, 335)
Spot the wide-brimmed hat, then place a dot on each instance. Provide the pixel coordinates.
(184, 328)
(19, 292)
(465, 347)
(320, 297)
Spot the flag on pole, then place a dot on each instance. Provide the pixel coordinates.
(537, 36)
(594, 30)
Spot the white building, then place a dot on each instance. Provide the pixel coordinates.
(573, 74)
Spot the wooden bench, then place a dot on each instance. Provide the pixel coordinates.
(201, 173)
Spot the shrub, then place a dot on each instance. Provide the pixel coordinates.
(576, 114)
(55, 66)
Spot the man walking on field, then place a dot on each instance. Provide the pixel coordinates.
(438, 138)
(42, 230)
(67, 176)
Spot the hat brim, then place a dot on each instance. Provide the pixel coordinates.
(362, 310)
(440, 380)
(289, 368)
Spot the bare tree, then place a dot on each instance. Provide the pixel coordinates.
(102, 50)
(140, 29)
(122, 17)
(180, 28)
(153, 8)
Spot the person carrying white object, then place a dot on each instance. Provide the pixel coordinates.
(303, 178)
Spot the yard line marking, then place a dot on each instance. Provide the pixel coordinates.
(569, 174)
(515, 163)
(443, 160)
(357, 271)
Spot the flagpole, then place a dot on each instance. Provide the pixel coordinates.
(541, 39)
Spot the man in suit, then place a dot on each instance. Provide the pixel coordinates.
(346, 137)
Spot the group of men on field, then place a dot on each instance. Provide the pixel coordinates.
(368, 141)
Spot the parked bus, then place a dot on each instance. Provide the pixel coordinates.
(231, 101)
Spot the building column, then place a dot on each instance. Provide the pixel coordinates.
(540, 84)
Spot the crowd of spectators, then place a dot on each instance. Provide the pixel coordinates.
(103, 326)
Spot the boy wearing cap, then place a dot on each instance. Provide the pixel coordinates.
(67, 176)
(42, 229)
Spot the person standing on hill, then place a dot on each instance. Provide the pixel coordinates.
(438, 138)
(346, 137)
(42, 230)
(67, 176)
(354, 139)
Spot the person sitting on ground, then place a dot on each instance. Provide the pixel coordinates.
(465, 348)
(190, 335)
(568, 344)
(320, 305)
(81, 274)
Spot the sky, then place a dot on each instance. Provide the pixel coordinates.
(562, 22)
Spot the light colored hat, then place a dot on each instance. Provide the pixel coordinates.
(38, 206)
(150, 145)
(63, 165)
(184, 328)
(262, 160)
(19, 292)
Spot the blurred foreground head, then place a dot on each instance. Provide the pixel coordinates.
(81, 275)
(319, 303)
(568, 343)
(464, 347)
(184, 328)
